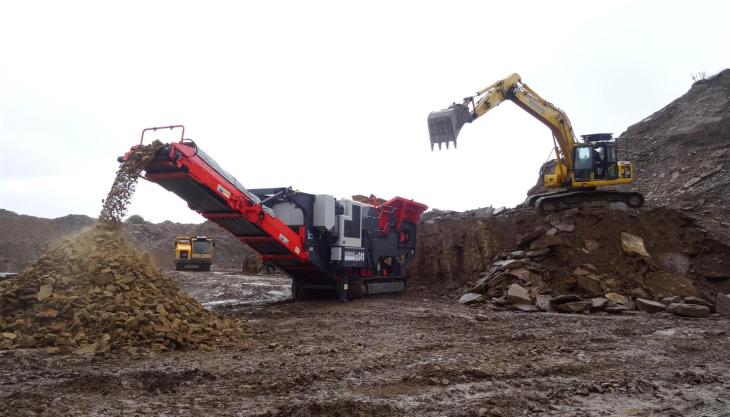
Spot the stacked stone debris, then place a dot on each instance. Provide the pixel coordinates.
(94, 293)
(575, 265)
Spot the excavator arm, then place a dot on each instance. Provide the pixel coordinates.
(596, 163)
(444, 125)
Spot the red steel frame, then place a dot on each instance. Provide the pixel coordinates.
(402, 209)
(244, 207)
(184, 156)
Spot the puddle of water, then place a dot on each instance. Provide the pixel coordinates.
(221, 302)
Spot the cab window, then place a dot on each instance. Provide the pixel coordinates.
(611, 161)
(201, 246)
(583, 160)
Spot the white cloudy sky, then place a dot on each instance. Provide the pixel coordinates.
(328, 97)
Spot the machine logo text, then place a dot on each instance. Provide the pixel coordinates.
(353, 256)
(223, 191)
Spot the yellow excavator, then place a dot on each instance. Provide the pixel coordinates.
(581, 168)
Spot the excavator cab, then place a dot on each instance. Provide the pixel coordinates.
(595, 158)
(444, 125)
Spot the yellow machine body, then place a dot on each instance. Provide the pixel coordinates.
(193, 252)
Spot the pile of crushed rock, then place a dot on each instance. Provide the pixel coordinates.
(94, 293)
(583, 262)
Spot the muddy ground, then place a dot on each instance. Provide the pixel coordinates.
(418, 354)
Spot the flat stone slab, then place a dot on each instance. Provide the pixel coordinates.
(574, 307)
(649, 306)
(527, 308)
(688, 310)
(566, 298)
(471, 298)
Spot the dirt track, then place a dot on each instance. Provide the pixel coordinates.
(413, 355)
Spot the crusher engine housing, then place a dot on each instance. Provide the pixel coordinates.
(329, 247)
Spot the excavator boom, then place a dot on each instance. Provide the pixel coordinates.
(444, 125)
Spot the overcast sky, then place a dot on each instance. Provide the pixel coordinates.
(328, 97)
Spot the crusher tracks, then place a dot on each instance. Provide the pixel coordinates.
(563, 200)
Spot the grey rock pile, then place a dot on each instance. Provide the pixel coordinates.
(521, 281)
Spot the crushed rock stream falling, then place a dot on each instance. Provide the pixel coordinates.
(114, 206)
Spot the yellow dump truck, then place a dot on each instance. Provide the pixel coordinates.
(193, 252)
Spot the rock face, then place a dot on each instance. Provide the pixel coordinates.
(461, 245)
(471, 249)
(511, 258)
(697, 127)
(96, 294)
(688, 310)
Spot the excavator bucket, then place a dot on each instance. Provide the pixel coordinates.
(444, 125)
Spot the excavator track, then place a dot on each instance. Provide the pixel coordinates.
(531, 200)
(563, 200)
